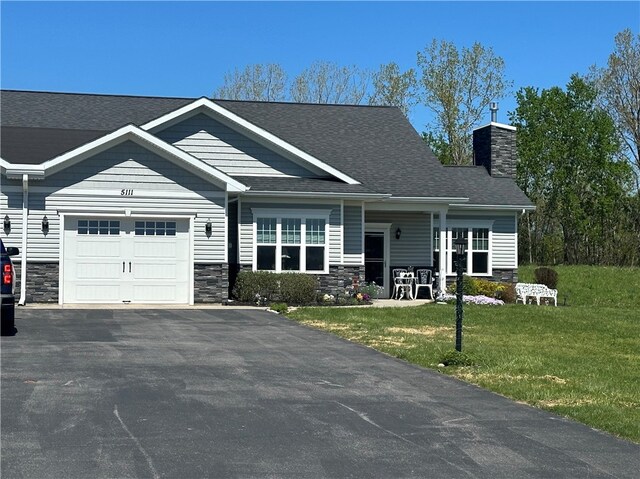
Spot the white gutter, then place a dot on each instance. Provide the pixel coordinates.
(23, 260)
(495, 207)
(310, 194)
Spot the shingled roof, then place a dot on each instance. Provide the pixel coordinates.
(375, 145)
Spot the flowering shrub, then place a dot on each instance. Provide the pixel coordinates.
(328, 298)
(483, 287)
(357, 294)
(469, 299)
(371, 289)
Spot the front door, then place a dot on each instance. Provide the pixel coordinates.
(375, 258)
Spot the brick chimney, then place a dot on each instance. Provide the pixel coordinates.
(494, 147)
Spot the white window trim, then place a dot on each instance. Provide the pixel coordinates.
(302, 215)
(469, 225)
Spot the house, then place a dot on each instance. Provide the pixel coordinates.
(163, 200)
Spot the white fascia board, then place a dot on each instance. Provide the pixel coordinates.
(247, 125)
(307, 194)
(497, 125)
(16, 171)
(132, 132)
(495, 207)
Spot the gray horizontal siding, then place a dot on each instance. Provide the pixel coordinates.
(129, 166)
(13, 236)
(505, 240)
(414, 246)
(41, 247)
(228, 150)
(246, 228)
(353, 248)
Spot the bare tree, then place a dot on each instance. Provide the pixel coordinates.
(458, 87)
(262, 82)
(619, 92)
(393, 88)
(327, 82)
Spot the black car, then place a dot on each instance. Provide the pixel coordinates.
(8, 287)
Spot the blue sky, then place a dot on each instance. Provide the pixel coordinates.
(184, 48)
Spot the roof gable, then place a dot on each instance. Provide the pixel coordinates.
(144, 139)
(207, 139)
(257, 133)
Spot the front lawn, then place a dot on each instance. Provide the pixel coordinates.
(581, 360)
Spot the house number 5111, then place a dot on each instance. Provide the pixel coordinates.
(126, 192)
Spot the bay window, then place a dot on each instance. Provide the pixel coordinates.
(477, 258)
(291, 242)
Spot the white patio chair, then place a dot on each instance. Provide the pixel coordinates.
(398, 285)
(424, 279)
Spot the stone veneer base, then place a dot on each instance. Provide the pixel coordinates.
(42, 282)
(335, 282)
(210, 283)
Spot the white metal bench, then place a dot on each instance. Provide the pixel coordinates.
(525, 290)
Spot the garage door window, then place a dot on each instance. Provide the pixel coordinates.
(155, 228)
(98, 227)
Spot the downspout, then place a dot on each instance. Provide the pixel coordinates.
(442, 276)
(25, 227)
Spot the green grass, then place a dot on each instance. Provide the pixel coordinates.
(581, 360)
(593, 285)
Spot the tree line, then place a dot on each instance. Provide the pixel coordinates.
(578, 145)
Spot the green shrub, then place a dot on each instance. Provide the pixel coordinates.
(252, 285)
(281, 308)
(546, 276)
(456, 358)
(263, 286)
(468, 286)
(508, 294)
(486, 287)
(297, 288)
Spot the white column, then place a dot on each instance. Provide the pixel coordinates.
(442, 286)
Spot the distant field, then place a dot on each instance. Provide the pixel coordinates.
(581, 360)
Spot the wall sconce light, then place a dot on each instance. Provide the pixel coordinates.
(7, 222)
(45, 224)
(208, 228)
(398, 233)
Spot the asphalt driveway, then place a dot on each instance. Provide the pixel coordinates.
(241, 393)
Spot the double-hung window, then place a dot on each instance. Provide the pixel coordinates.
(477, 258)
(480, 251)
(266, 244)
(291, 242)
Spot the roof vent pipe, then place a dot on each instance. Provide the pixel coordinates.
(494, 111)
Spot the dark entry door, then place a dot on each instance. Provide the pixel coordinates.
(374, 258)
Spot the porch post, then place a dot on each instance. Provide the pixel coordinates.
(442, 274)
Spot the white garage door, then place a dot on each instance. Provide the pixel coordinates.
(113, 260)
